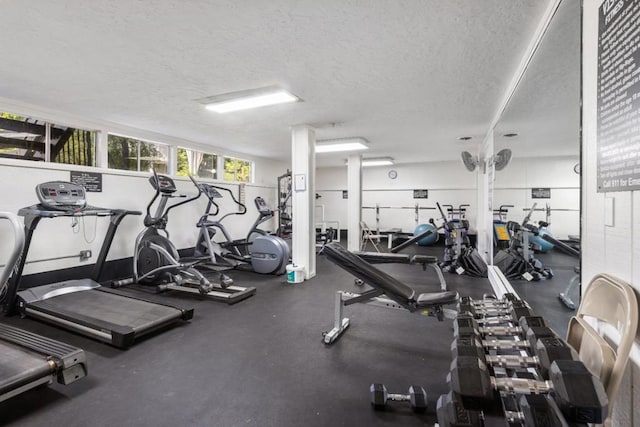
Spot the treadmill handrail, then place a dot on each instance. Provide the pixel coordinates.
(32, 216)
(18, 245)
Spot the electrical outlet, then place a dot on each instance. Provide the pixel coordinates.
(85, 255)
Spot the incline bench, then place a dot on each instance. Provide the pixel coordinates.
(394, 258)
(396, 294)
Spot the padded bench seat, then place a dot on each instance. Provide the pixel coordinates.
(392, 258)
(400, 292)
(384, 258)
(386, 292)
(436, 298)
(424, 259)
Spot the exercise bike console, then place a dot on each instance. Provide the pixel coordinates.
(61, 196)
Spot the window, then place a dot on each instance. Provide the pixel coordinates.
(136, 155)
(237, 170)
(26, 138)
(197, 163)
(73, 146)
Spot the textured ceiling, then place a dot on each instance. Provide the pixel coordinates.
(408, 75)
(545, 109)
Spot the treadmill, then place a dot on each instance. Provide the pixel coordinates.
(28, 360)
(84, 306)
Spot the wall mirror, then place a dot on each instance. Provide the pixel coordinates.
(541, 127)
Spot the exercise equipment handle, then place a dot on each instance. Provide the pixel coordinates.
(242, 208)
(563, 246)
(527, 218)
(444, 217)
(189, 199)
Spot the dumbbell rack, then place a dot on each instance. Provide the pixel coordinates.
(519, 351)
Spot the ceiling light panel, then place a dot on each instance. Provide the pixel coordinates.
(381, 161)
(342, 144)
(248, 99)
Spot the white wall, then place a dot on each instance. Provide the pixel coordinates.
(448, 183)
(125, 190)
(514, 183)
(616, 249)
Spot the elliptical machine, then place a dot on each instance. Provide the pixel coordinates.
(156, 260)
(518, 260)
(459, 256)
(259, 252)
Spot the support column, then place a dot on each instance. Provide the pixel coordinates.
(485, 175)
(47, 142)
(354, 201)
(303, 172)
(172, 160)
(102, 149)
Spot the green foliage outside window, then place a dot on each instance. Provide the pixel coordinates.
(123, 154)
(206, 164)
(183, 163)
(237, 170)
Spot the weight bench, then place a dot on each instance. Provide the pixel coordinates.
(387, 292)
(393, 258)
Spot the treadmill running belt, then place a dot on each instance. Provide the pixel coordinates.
(136, 314)
(20, 367)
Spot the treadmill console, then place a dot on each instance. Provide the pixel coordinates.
(262, 207)
(167, 186)
(61, 196)
(210, 192)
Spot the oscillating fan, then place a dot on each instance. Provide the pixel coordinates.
(500, 160)
(470, 161)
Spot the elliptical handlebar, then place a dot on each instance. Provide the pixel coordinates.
(444, 217)
(243, 208)
(527, 218)
(189, 199)
(151, 220)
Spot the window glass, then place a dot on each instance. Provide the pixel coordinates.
(237, 170)
(25, 138)
(197, 163)
(21, 137)
(136, 155)
(73, 146)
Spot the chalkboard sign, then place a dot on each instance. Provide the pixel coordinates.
(91, 181)
(618, 96)
(420, 194)
(345, 194)
(540, 193)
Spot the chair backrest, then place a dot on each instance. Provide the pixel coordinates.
(611, 301)
(367, 235)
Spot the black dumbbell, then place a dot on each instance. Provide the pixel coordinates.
(515, 308)
(465, 324)
(417, 397)
(580, 396)
(531, 411)
(451, 413)
(544, 351)
(537, 410)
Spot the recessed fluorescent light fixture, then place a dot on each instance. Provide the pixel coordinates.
(247, 99)
(377, 161)
(341, 144)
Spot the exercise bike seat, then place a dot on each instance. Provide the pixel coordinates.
(429, 299)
